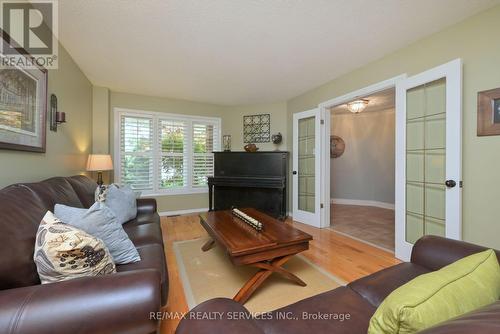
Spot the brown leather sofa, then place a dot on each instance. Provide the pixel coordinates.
(359, 299)
(117, 303)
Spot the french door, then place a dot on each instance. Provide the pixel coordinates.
(306, 167)
(428, 156)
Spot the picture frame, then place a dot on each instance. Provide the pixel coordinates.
(488, 112)
(23, 105)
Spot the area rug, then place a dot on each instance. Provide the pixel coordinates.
(207, 275)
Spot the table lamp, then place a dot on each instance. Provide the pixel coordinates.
(99, 163)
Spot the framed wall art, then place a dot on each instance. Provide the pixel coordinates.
(23, 107)
(488, 112)
(257, 128)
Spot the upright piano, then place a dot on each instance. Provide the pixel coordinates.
(244, 179)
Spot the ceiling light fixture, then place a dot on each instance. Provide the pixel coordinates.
(357, 106)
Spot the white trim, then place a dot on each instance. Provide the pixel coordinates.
(182, 212)
(325, 113)
(155, 116)
(400, 173)
(141, 112)
(363, 92)
(377, 204)
(325, 167)
(452, 71)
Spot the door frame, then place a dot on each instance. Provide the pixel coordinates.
(325, 115)
(452, 71)
(313, 219)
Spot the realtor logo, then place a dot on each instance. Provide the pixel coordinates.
(30, 33)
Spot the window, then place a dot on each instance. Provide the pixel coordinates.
(160, 153)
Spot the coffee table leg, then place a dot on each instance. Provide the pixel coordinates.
(266, 270)
(279, 270)
(208, 245)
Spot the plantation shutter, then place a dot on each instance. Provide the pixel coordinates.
(173, 162)
(205, 141)
(136, 152)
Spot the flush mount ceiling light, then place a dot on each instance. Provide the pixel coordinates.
(357, 106)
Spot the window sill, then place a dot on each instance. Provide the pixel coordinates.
(174, 192)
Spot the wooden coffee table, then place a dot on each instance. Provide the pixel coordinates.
(267, 250)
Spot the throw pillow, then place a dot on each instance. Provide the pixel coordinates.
(461, 287)
(100, 193)
(122, 201)
(64, 252)
(101, 222)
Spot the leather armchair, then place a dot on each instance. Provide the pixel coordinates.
(434, 252)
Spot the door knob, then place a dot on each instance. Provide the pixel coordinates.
(450, 183)
(294, 172)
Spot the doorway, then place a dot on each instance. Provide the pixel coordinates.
(428, 159)
(362, 168)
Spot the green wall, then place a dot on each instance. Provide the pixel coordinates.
(67, 149)
(475, 40)
(232, 124)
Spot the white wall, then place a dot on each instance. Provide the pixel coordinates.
(366, 169)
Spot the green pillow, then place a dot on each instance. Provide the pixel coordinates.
(429, 299)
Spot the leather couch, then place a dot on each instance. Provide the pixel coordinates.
(359, 299)
(117, 303)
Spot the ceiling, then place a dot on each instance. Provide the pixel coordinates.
(236, 52)
(379, 101)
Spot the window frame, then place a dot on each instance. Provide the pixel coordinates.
(118, 112)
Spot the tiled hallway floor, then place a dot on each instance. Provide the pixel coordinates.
(372, 224)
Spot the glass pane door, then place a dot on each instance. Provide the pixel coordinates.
(426, 160)
(306, 166)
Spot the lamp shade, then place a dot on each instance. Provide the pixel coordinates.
(99, 162)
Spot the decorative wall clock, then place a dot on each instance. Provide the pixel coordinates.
(337, 146)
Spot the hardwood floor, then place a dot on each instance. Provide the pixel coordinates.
(342, 256)
(367, 223)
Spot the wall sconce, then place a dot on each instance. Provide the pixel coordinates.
(56, 117)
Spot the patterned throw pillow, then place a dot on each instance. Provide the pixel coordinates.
(101, 192)
(64, 252)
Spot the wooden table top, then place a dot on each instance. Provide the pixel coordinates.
(239, 238)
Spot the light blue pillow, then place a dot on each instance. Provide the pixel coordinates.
(122, 201)
(100, 222)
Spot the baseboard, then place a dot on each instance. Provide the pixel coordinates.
(362, 202)
(182, 212)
